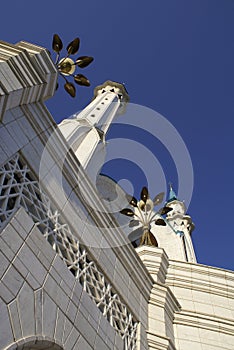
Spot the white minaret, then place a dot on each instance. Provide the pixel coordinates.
(175, 238)
(85, 132)
(182, 224)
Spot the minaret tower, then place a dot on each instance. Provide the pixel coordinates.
(180, 227)
(85, 132)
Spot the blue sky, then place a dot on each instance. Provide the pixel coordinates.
(176, 57)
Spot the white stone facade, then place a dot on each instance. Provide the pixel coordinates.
(191, 305)
(69, 276)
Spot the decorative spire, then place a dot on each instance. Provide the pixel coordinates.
(66, 66)
(172, 196)
(144, 215)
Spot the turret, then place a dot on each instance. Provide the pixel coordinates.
(86, 131)
(180, 227)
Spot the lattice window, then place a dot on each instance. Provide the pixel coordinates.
(18, 188)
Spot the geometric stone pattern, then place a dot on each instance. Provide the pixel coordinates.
(42, 306)
(19, 189)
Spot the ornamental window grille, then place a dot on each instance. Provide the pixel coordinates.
(18, 188)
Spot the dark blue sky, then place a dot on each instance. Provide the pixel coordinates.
(176, 57)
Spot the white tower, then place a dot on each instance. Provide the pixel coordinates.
(181, 227)
(85, 132)
(174, 236)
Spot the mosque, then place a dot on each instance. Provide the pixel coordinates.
(83, 265)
